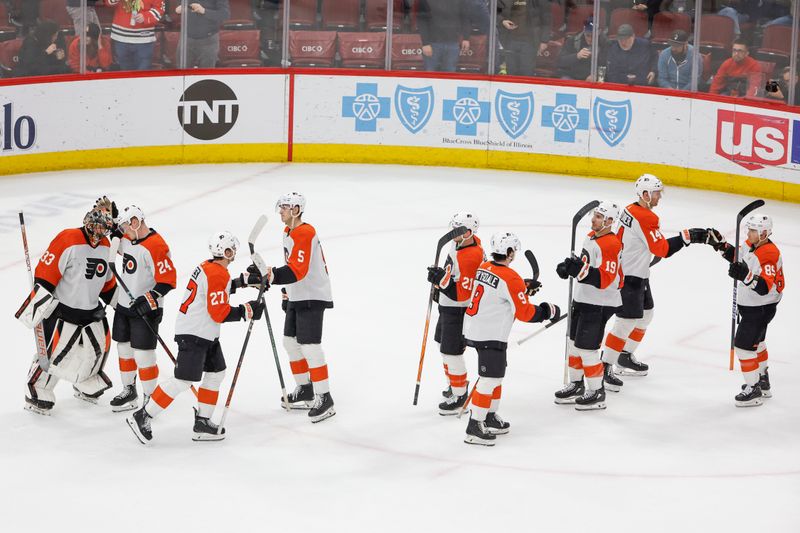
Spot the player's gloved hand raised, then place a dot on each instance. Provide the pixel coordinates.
(435, 274)
(532, 287)
(715, 239)
(253, 310)
(572, 266)
(551, 311)
(146, 303)
(108, 205)
(740, 271)
(561, 270)
(694, 236)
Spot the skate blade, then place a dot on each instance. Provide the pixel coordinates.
(444, 412)
(327, 414)
(471, 439)
(83, 397)
(755, 402)
(766, 394)
(300, 406)
(499, 431)
(565, 401)
(38, 411)
(122, 408)
(593, 407)
(609, 387)
(135, 428)
(622, 371)
(207, 437)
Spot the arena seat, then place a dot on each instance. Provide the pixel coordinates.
(407, 52)
(362, 49)
(637, 19)
(557, 17)
(666, 23)
(375, 15)
(547, 63)
(9, 56)
(170, 48)
(716, 34)
(239, 48)
(475, 60)
(578, 15)
(776, 44)
(302, 14)
(312, 48)
(7, 29)
(341, 14)
(241, 17)
(56, 10)
(106, 15)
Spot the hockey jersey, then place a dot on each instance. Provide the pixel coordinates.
(146, 265)
(460, 267)
(601, 277)
(641, 239)
(304, 257)
(74, 271)
(125, 29)
(498, 298)
(765, 262)
(205, 302)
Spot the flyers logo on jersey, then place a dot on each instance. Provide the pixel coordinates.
(95, 267)
(752, 141)
(128, 264)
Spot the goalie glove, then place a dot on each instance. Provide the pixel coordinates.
(39, 305)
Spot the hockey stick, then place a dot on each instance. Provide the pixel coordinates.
(575, 221)
(262, 267)
(752, 206)
(469, 399)
(540, 330)
(113, 266)
(534, 264)
(260, 223)
(38, 330)
(447, 237)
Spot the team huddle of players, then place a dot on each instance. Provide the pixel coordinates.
(76, 278)
(479, 299)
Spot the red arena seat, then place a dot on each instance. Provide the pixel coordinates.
(666, 23)
(362, 49)
(637, 19)
(547, 63)
(776, 44)
(312, 48)
(302, 13)
(557, 17)
(407, 52)
(475, 60)
(6, 27)
(375, 15)
(241, 15)
(341, 14)
(716, 33)
(578, 15)
(9, 56)
(56, 10)
(239, 48)
(170, 48)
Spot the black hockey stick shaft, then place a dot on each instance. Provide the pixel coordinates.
(534, 264)
(38, 330)
(582, 212)
(749, 208)
(540, 330)
(444, 239)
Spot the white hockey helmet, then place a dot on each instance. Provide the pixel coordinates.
(465, 219)
(648, 183)
(129, 212)
(501, 242)
(608, 210)
(760, 223)
(292, 199)
(220, 241)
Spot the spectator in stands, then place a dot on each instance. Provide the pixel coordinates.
(524, 33)
(133, 31)
(630, 59)
(444, 28)
(203, 21)
(738, 76)
(98, 56)
(74, 10)
(42, 54)
(675, 63)
(26, 15)
(652, 7)
(266, 18)
(575, 59)
(782, 89)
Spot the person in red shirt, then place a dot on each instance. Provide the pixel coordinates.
(98, 53)
(738, 76)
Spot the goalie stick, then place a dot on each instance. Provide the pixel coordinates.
(38, 330)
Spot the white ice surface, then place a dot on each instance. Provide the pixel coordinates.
(671, 452)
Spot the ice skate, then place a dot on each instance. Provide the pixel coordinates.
(302, 398)
(478, 433)
(496, 425)
(628, 365)
(452, 404)
(125, 400)
(88, 398)
(763, 384)
(447, 392)
(591, 400)
(139, 422)
(40, 407)
(570, 393)
(205, 430)
(610, 381)
(750, 396)
(322, 408)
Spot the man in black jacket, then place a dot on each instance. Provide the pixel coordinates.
(630, 59)
(444, 27)
(575, 59)
(524, 32)
(204, 19)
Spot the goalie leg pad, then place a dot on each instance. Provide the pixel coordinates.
(81, 351)
(39, 305)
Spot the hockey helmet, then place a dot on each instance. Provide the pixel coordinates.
(608, 210)
(465, 219)
(129, 213)
(221, 241)
(760, 223)
(97, 223)
(292, 199)
(501, 242)
(648, 183)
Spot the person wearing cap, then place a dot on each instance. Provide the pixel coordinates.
(524, 32)
(98, 53)
(675, 63)
(738, 76)
(575, 59)
(630, 59)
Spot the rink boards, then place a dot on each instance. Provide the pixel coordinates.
(368, 117)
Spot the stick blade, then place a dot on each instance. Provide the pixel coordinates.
(583, 211)
(256, 231)
(534, 264)
(749, 208)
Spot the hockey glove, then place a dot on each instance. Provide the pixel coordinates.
(715, 239)
(532, 287)
(549, 311)
(253, 310)
(435, 275)
(248, 280)
(740, 271)
(284, 300)
(694, 236)
(146, 303)
(561, 270)
(573, 266)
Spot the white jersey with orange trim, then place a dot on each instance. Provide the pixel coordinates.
(460, 267)
(146, 262)
(641, 238)
(603, 255)
(205, 302)
(766, 262)
(306, 260)
(75, 271)
(498, 298)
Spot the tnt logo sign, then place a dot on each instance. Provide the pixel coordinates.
(16, 132)
(752, 141)
(208, 110)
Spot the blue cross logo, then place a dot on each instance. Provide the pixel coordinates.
(565, 118)
(366, 106)
(466, 111)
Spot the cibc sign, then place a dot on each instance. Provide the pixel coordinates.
(16, 133)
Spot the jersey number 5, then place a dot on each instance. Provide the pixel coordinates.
(192, 288)
(472, 310)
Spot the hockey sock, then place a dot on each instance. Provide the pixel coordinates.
(762, 357)
(148, 370)
(592, 367)
(127, 363)
(482, 397)
(496, 394)
(575, 365)
(457, 373)
(615, 340)
(748, 360)
(296, 360)
(164, 394)
(208, 394)
(317, 368)
(636, 336)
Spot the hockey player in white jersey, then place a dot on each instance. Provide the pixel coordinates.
(71, 279)
(205, 306)
(149, 274)
(500, 296)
